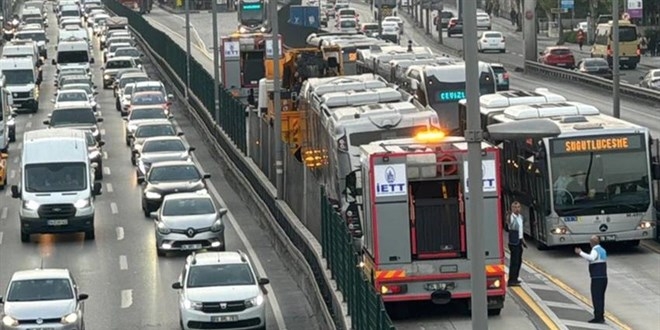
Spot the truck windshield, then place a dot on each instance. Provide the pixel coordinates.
(79, 56)
(55, 177)
(19, 77)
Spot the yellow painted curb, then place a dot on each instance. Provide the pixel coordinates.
(545, 318)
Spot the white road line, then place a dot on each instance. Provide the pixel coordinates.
(126, 298)
(540, 286)
(585, 325)
(19, 145)
(114, 208)
(272, 299)
(8, 192)
(106, 170)
(4, 213)
(28, 125)
(105, 155)
(120, 233)
(555, 319)
(31, 115)
(102, 131)
(108, 187)
(1, 234)
(563, 305)
(12, 174)
(123, 262)
(16, 159)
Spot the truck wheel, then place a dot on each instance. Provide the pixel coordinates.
(25, 237)
(36, 107)
(494, 312)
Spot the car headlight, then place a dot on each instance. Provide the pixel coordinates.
(192, 304)
(82, 203)
(256, 301)
(106, 76)
(70, 318)
(30, 205)
(96, 132)
(9, 321)
(217, 226)
(162, 228)
(94, 154)
(152, 195)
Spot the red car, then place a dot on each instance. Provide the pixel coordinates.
(558, 56)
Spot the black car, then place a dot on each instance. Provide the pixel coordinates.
(501, 76)
(596, 67)
(166, 178)
(455, 27)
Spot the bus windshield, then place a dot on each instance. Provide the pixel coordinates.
(65, 57)
(589, 176)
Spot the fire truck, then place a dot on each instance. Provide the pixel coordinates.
(412, 195)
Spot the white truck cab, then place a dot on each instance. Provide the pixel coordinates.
(73, 51)
(57, 187)
(22, 79)
(23, 48)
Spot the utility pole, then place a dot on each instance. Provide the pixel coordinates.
(560, 28)
(616, 102)
(187, 5)
(474, 137)
(216, 62)
(277, 100)
(439, 27)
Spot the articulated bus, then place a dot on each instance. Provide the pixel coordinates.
(252, 16)
(595, 178)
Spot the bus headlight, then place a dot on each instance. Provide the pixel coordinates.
(645, 224)
(559, 230)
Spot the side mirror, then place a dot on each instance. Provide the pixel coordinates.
(97, 187)
(47, 122)
(102, 68)
(140, 179)
(263, 281)
(91, 60)
(53, 62)
(101, 143)
(179, 133)
(655, 171)
(83, 296)
(191, 149)
(99, 120)
(52, 100)
(207, 176)
(641, 78)
(15, 193)
(95, 93)
(170, 96)
(154, 215)
(541, 53)
(177, 286)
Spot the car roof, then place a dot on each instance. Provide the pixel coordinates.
(71, 90)
(163, 138)
(147, 93)
(119, 58)
(173, 163)
(156, 122)
(189, 195)
(216, 258)
(149, 82)
(37, 274)
(82, 105)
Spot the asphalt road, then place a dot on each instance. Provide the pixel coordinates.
(560, 264)
(129, 286)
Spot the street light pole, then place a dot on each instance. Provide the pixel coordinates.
(474, 137)
(216, 62)
(277, 100)
(187, 5)
(616, 101)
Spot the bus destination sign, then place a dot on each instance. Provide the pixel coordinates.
(598, 144)
(451, 96)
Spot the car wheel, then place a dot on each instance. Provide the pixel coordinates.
(90, 235)
(503, 50)
(25, 237)
(147, 213)
(12, 135)
(161, 253)
(128, 142)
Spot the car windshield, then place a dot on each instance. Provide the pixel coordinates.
(188, 206)
(78, 56)
(561, 51)
(18, 77)
(40, 289)
(627, 33)
(174, 173)
(595, 62)
(116, 46)
(347, 24)
(163, 146)
(152, 98)
(370, 27)
(36, 36)
(118, 64)
(90, 139)
(132, 52)
(125, 81)
(446, 14)
(84, 87)
(149, 88)
(71, 97)
(153, 113)
(146, 131)
(492, 36)
(220, 275)
(69, 13)
(55, 177)
(63, 117)
(128, 90)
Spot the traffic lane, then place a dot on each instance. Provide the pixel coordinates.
(633, 294)
(634, 111)
(292, 306)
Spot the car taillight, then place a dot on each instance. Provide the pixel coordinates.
(386, 289)
(506, 75)
(639, 50)
(503, 39)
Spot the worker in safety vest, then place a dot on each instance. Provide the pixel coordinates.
(598, 272)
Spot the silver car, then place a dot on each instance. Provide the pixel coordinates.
(161, 149)
(150, 129)
(189, 221)
(141, 115)
(43, 299)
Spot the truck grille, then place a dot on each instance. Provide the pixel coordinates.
(57, 211)
(229, 307)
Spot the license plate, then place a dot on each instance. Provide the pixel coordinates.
(191, 246)
(608, 238)
(58, 222)
(561, 64)
(224, 318)
(623, 58)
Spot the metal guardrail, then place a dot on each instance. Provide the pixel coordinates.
(570, 75)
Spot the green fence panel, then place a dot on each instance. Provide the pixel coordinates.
(365, 305)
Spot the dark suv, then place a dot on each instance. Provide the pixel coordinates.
(455, 27)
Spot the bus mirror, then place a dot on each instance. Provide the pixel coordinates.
(655, 171)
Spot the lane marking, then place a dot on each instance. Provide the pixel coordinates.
(28, 125)
(31, 115)
(540, 286)
(12, 174)
(563, 305)
(106, 170)
(1, 234)
(16, 159)
(126, 298)
(102, 131)
(123, 262)
(120, 233)
(108, 187)
(8, 192)
(113, 208)
(530, 299)
(585, 325)
(105, 155)
(19, 145)
(4, 213)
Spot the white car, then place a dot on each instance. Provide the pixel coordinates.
(483, 21)
(492, 41)
(220, 287)
(67, 96)
(395, 19)
(347, 25)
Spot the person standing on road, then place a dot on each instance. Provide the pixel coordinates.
(580, 38)
(513, 16)
(516, 243)
(598, 272)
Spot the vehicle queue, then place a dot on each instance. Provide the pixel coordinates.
(61, 169)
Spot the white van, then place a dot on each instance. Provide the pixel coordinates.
(57, 187)
(73, 51)
(23, 48)
(22, 79)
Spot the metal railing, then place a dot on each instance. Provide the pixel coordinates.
(570, 75)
